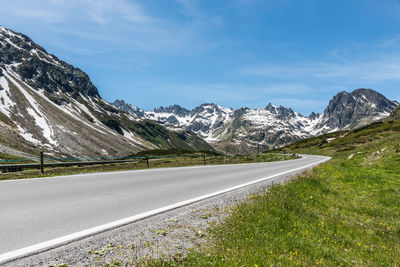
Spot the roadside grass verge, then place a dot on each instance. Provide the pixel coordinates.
(138, 165)
(343, 213)
(7, 158)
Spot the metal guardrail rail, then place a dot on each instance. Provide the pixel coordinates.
(101, 160)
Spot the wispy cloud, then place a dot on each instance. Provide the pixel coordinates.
(190, 8)
(55, 11)
(384, 69)
(121, 23)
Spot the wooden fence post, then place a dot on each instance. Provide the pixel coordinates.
(41, 162)
(147, 161)
(204, 158)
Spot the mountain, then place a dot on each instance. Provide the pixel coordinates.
(47, 104)
(246, 130)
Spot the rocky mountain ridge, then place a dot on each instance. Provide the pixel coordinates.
(243, 130)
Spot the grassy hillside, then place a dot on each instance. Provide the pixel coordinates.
(175, 152)
(396, 113)
(342, 213)
(340, 144)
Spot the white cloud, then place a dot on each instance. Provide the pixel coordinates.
(129, 25)
(384, 69)
(55, 11)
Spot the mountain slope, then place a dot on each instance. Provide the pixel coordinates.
(49, 105)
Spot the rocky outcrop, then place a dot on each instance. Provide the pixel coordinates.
(355, 109)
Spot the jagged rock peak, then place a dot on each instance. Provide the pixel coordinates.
(271, 108)
(314, 116)
(280, 111)
(174, 109)
(122, 105)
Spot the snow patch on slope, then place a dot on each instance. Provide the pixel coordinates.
(5, 102)
(36, 113)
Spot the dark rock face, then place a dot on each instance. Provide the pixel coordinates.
(40, 69)
(172, 120)
(281, 111)
(271, 108)
(313, 116)
(347, 109)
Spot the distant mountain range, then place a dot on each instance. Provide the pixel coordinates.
(47, 104)
(244, 130)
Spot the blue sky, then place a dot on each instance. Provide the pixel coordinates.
(296, 53)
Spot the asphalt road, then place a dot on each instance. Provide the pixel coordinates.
(37, 210)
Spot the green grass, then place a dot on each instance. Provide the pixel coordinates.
(10, 159)
(174, 152)
(139, 164)
(343, 213)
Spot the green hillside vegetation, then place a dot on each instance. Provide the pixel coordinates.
(150, 131)
(175, 152)
(343, 213)
(5, 157)
(396, 113)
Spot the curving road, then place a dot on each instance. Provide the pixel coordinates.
(33, 211)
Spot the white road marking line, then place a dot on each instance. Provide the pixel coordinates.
(47, 245)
